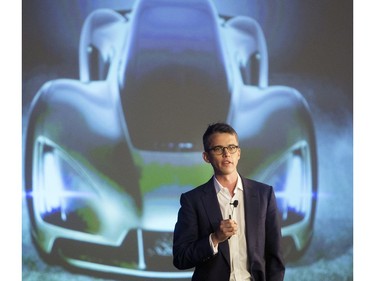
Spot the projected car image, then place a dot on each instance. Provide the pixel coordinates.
(107, 156)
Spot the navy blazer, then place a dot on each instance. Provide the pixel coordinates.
(200, 215)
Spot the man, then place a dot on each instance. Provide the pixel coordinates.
(228, 228)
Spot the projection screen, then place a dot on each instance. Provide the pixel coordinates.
(116, 96)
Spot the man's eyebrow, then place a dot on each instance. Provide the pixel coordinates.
(224, 145)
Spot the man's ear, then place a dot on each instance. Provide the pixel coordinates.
(206, 157)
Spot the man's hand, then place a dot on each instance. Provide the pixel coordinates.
(226, 229)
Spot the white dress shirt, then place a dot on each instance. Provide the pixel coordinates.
(237, 243)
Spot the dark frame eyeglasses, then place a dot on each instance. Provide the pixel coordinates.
(219, 150)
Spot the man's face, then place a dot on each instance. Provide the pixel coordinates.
(224, 163)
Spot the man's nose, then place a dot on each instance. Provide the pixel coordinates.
(226, 151)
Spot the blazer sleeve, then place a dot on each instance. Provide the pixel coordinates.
(190, 247)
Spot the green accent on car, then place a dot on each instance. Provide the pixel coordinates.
(155, 175)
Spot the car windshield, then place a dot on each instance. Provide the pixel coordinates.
(175, 82)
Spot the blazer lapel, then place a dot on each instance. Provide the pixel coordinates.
(212, 208)
(251, 215)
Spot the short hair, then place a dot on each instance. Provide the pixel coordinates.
(216, 128)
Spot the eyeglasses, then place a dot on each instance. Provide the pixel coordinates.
(219, 150)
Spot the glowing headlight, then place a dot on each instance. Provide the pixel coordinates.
(291, 179)
(62, 193)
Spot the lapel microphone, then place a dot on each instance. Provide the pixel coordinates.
(234, 204)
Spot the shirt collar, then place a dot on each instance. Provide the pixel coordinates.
(219, 187)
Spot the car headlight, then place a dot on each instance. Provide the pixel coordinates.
(62, 192)
(291, 177)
